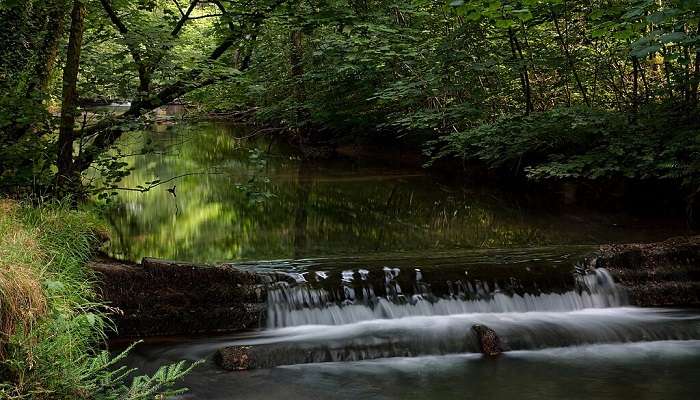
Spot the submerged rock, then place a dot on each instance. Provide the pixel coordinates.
(269, 355)
(489, 342)
(236, 358)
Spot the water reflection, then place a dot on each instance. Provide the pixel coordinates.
(254, 199)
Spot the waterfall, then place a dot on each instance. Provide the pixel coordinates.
(305, 305)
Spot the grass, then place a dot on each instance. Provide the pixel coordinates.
(52, 325)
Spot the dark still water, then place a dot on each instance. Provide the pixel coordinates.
(255, 200)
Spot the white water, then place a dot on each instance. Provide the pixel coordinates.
(301, 305)
(419, 349)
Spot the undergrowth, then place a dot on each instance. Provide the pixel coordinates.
(52, 325)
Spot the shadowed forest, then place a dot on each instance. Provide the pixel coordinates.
(541, 90)
(479, 149)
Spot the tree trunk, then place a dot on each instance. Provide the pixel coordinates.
(297, 66)
(49, 47)
(42, 68)
(570, 60)
(696, 75)
(635, 84)
(144, 81)
(524, 77)
(68, 176)
(686, 79)
(296, 59)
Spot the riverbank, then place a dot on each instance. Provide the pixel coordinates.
(53, 324)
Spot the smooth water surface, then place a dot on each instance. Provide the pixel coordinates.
(389, 267)
(250, 199)
(665, 370)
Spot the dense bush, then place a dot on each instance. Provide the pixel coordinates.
(584, 143)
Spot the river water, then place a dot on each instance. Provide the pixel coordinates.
(392, 268)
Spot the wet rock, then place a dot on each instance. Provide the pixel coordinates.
(236, 358)
(161, 297)
(269, 355)
(654, 274)
(489, 342)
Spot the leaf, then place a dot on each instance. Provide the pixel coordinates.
(54, 286)
(673, 37)
(645, 51)
(523, 15)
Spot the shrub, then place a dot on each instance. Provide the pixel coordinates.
(584, 143)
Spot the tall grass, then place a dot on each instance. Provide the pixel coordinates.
(52, 324)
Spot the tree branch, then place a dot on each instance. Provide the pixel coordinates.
(151, 186)
(178, 7)
(107, 131)
(206, 16)
(185, 17)
(114, 17)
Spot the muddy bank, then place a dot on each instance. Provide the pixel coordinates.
(160, 297)
(655, 274)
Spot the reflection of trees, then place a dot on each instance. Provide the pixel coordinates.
(345, 213)
(300, 214)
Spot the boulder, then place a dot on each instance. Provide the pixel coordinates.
(654, 274)
(489, 342)
(236, 358)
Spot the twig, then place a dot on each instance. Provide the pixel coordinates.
(259, 132)
(206, 16)
(149, 187)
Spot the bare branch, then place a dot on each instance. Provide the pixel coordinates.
(206, 16)
(179, 8)
(149, 187)
(185, 17)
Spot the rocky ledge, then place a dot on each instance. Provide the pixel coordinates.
(655, 274)
(161, 297)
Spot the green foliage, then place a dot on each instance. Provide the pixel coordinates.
(570, 143)
(56, 356)
(459, 72)
(548, 89)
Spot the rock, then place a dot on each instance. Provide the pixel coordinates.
(269, 355)
(489, 342)
(654, 274)
(160, 297)
(236, 358)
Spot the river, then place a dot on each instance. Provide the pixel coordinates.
(393, 265)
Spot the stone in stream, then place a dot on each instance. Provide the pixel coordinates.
(268, 355)
(236, 358)
(247, 357)
(489, 342)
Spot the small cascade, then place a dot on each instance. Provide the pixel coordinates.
(304, 304)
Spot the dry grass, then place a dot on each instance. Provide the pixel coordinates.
(51, 325)
(22, 299)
